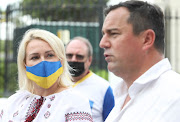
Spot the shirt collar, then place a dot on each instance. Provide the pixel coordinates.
(154, 72)
(83, 79)
(149, 76)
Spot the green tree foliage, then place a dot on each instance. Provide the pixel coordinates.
(63, 10)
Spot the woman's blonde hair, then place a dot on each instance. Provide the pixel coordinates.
(58, 47)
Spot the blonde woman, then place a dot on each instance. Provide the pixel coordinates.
(43, 77)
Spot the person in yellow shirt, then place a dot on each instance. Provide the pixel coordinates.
(79, 54)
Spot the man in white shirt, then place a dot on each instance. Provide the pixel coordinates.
(133, 42)
(79, 54)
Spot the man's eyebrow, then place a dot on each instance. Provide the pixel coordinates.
(69, 54)
(112, 29)
(109, 30)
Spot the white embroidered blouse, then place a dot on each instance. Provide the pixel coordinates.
(66, 106)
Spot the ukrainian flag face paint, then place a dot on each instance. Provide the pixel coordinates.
(44, 73)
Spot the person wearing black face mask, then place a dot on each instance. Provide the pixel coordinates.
(78, 68)
(79, 56)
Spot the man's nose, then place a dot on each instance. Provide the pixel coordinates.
(74, 58)
(104, 43)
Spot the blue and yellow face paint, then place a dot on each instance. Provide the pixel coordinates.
(44, 73)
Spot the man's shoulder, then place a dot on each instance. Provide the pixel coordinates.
(171, 78)
(99, 79)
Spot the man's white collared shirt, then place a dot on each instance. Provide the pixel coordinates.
(155, 97)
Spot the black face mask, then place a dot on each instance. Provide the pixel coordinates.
(78, 68)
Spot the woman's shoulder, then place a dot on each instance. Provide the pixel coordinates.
(18, 95)
(74, 95)
(15, 99)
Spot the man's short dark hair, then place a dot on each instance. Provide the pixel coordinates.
(144, 16)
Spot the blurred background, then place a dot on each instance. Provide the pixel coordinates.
(66, 19)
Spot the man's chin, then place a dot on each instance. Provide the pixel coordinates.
(110, 67)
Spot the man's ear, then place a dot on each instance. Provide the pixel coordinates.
(148, 39)
(90, 60)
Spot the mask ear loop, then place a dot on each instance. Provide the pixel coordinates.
(60, 59)
(59, 78)
(24, 61)
(32, 88)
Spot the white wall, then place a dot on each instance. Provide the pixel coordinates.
(174, 42)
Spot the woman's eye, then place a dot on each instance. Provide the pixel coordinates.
(50, 55)
(34, 57)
